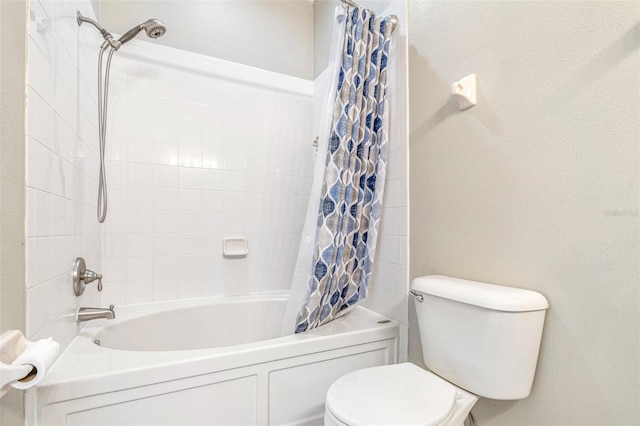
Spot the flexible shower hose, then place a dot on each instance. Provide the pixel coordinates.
(103, 99)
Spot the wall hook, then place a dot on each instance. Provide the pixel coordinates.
(464, 91)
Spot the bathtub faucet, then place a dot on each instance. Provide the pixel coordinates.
(87, 314)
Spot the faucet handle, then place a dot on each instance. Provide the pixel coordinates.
(89, 276)
(83, 276)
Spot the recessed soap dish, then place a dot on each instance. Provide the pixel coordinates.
(235, 247)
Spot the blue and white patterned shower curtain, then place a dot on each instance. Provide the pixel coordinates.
(351, 197)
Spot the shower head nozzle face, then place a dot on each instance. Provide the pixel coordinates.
(154, 28)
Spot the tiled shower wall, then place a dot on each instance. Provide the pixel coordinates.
(202, 149)
(389, 286)
(61, 164)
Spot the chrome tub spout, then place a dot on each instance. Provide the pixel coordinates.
(88, 314)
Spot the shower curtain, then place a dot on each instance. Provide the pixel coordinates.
(339, 241)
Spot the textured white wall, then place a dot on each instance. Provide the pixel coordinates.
(273, 35)
(536, 186)
(12, 152)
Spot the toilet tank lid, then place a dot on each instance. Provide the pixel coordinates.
(489, 296)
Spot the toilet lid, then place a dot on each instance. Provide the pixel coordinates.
(400, 394)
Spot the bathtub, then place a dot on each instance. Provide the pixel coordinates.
(215, 361)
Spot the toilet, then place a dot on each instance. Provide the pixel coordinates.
(478, 340)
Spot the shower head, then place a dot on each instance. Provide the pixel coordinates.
(152, 27)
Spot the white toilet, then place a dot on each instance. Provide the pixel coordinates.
(478, 340)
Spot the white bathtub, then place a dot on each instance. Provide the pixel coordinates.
(216, 361)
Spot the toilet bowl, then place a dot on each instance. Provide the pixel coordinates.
(478, 340)
(399, 394)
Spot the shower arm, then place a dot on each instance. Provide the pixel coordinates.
(108, 38)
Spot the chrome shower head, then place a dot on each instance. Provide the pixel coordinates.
(152, 27)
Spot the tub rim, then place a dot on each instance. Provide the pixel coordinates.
(85, 365)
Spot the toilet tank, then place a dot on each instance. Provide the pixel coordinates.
(482, 337)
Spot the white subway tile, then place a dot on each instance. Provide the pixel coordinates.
(39, 119)
(391, 221)
(139, 268)
(43, 214)
(231, 139)
(212, 157)
(139, 291)
(63, 216)
(139, 127)
(212, 246)
(213, 180)
(140, 198)
(165, 198)
(213, 201)
(166, 131)
(213, 222)
(65, 64)
(165, 221)
(189, 156)
(394, 306)
(234, 181)
(189, 288)
(114, 268)
(139, 151)
(190, 132)
(234, 160)
(234, 222)
(114, 293)
(39, 255)
(235, 277)
(165, 244)
(165, 153)
(190, 266)
(39, 166)
(234, 201)
(46, 302)
(40, 73)
(165, 289)
(393, 193)
(165, 176)
(64, 140)
(189, 244)
(189, 222)
(139, 174)
(116, 173)
(139, 221)
(190, 177)
(65, 104)
(190, 200)
(139, 245)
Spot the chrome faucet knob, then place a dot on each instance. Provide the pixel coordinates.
(83, 276)
(89, 276)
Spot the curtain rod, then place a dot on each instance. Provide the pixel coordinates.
(394, 18)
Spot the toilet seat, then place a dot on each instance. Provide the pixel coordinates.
(399, 394)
